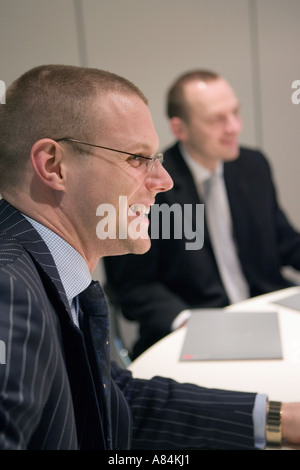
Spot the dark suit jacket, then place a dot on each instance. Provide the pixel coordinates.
(48, 391)
(152, 289)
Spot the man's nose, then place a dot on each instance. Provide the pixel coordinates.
(159, 179)
(233, 123)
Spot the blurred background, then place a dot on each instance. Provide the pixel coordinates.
(253, 43)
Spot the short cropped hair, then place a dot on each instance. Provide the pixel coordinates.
(176, 103)
(52, 101)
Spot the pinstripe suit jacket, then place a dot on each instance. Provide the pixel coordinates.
(47, 395)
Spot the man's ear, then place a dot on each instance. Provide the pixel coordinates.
(46, 159)
(178, 128)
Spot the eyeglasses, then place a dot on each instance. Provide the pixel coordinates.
(136, 160)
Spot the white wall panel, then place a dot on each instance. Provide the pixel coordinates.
(34, 32)
(279, 42)
(153, 41)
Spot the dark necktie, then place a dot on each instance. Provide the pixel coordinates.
(94, 323)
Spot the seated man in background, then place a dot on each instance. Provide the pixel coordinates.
(242, 255)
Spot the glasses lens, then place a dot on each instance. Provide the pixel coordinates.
(159, 157)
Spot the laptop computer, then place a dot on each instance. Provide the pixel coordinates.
(291, 301)
(218, 334)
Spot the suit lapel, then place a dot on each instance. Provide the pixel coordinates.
(238, 197)
(15, 225)
(184, 186)
(184, 190)
(89, 426)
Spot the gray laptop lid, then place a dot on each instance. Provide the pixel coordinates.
(217, 334)
(291, 301)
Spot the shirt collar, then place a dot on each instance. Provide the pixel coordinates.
(72, 268)
(199, 172)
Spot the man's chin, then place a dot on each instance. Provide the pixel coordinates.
(134, 247)
(230, 156)
(140, 246)
(125, 247)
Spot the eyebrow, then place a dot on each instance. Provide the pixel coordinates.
(143, 149)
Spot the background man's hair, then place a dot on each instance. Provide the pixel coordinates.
(176, 104)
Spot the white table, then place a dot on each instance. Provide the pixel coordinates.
(280, 379)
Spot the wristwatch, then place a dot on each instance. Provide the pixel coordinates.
(273, 424)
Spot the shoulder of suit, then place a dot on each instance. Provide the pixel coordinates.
(251, 164)
(249, 157)
(171, 153)
(175, 164)
(17, 270)
(251, 153)
(10, 250)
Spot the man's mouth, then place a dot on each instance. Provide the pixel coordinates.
(230, 142)
(139, 210)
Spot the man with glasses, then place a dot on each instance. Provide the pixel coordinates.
(73, 140)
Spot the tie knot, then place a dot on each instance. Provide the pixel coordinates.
(209, 182)
(92, 299)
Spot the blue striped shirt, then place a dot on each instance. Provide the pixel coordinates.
(72, 268)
